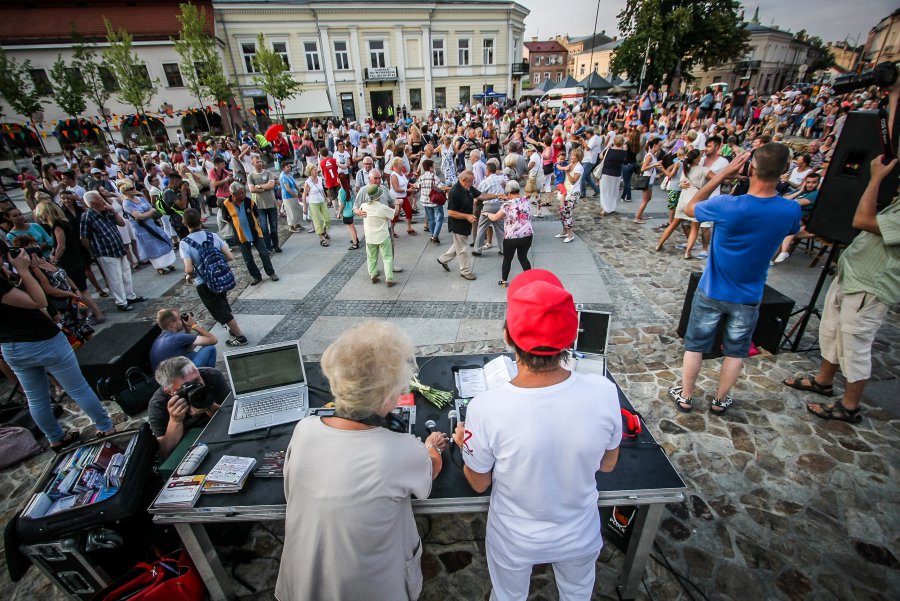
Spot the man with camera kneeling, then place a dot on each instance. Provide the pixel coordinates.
(187, 398)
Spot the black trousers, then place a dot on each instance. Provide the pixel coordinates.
(520, 247)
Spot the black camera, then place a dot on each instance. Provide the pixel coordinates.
(883, 75)
(196, 394)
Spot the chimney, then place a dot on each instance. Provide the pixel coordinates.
(534, 38)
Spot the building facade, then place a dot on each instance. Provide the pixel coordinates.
(846, 56)
(883, 41)
(356, 59)
(594, 60)
(41, 32)
(546, 60)
(579, 44)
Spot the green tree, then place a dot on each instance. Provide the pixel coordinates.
(273, 75)
(17, 87)
(68, 88)
(135, 85)
(683, 34)
(821, 56)
(188, 45)
(92, 72)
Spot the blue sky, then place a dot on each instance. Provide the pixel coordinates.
(832, 20)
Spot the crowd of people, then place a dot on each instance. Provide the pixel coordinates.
(486, 171)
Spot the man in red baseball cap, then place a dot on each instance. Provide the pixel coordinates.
(539, 441)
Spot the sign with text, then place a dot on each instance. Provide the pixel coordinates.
(381, 73)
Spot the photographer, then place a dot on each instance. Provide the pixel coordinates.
(187, 398)
(180, 334)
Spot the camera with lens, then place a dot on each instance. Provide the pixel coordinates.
(883, 76)
(196, 394)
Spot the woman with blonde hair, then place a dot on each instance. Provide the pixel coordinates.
(355, 510)
(400, 186)
(155, 243)
(314, 203)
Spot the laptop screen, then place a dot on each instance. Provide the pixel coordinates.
(592, 327)
(261, 370)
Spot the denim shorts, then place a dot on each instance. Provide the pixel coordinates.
(707, 313)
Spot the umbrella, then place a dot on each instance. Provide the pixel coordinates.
(273, 132)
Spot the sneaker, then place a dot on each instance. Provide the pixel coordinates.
(124, 308)
(702, 254)
(487, 246)
(468, 276)
(782, 257)
(255, 281)
(277, 249)
(682, 246)
(237, 341)
(136, 299)
(274, 277)
(390, 283)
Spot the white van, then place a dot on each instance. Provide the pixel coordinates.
(554, 98)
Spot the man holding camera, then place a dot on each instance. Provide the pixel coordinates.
(180, 335)
(187, 398)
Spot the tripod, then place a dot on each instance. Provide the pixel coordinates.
(810, 309)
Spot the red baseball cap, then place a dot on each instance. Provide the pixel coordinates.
(540, 314)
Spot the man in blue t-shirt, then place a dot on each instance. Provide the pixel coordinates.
(748, 231)
(179, 337)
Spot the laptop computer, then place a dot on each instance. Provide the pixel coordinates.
(269, 384)
(590, 345)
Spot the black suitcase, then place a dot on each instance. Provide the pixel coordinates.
(122, 505)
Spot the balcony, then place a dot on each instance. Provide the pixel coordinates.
(520, 69)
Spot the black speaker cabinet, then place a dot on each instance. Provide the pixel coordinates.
(847, 178)
(111, 351)
(774, 312)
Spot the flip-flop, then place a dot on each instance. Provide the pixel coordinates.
(797, 384)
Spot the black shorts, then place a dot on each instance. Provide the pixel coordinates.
(216, 303)
(347, 220)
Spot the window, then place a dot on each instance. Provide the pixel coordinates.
(377, 55)
(559, 77)
(73, 73)
(173, 75)
(248, 50)
(415, 99)
(582, 69)
(311, 51)
(488, 51)
(463, 52)
(536, 77)
(281, 49)
(464, 95)
(440, 97)
(341, 56)
(110, 84)
(437, 53)
(538, 59)
(144, 74)
(198, 69)
(41, 81)
(547, 76)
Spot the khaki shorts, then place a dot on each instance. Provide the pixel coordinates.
(847, 330)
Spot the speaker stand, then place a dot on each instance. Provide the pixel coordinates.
(810, 309)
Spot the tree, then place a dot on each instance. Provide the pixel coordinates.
(68, 88)
(17, 87)
(92, 77)
(135, 85)
(273, 76)
(188, 45)
(684, 34)
(820, 55)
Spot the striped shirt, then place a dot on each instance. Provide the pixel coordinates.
(871, 263)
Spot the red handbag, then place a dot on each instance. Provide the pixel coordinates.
(437, 197)
(169, 578)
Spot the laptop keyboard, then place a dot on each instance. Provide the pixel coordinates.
(272, 404)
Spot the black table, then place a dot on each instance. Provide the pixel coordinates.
(643, 477)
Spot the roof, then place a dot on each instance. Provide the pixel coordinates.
(549, 46)
(592, 40)
(595, 81)
(568, 82)
(52, 21)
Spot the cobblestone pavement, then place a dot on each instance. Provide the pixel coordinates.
(780, 505)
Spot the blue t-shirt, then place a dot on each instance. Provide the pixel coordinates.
(170, 344)
(39, 234)
(748, 230)
(288, 186)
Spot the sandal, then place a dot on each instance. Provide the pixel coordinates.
(68, 439)
(354, 246)
(813, 386)
(162, 271)
(836, 411)
(412, 232)
(682, 404)
(639, 221)
(722, 404)
(323, 242)
(327, 237)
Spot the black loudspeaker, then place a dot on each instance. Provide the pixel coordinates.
(774, 312)
(111, 351)
(847, 178)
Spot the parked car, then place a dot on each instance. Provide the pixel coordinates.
(607, 100)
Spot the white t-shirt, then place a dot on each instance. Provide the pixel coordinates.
(717, 165)
(343, 158)
(544, 460)
(594, 145)
(535, 164)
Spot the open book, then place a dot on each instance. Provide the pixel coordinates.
(472, 381)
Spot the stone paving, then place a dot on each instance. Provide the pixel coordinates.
(780, 505)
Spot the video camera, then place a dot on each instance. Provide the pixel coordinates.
(883, 75)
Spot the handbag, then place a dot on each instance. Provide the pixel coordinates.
(640, 182)
(135, 396)
(437, 197)
(169, 578)
(16, 444)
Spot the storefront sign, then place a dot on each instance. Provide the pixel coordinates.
(252, 93)
(381, 74)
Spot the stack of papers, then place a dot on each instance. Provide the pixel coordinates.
(180, 491)
(472, 381)
(229, 474)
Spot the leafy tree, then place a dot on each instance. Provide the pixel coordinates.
(273, 76)
(90, 68)
(135, 85)
(17, 87)
(821, 55)
(68, 88)
(683, 33)
(188, 46)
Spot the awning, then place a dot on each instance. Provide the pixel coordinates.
(309, 103)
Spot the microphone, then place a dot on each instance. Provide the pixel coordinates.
(431, 426)
(453, 419)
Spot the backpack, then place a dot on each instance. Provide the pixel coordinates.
(212, 266)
